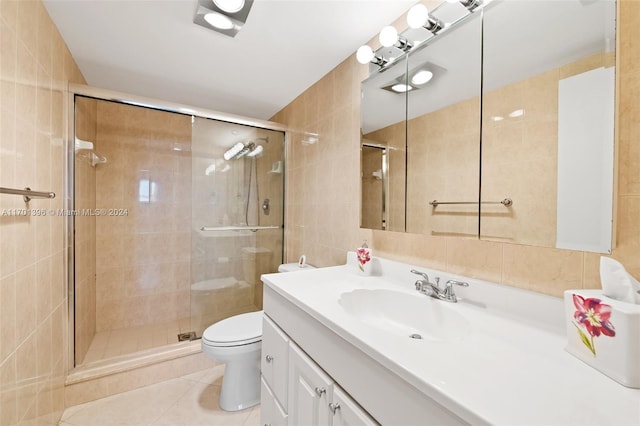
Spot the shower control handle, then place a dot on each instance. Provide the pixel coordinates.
(269, 358)
(265, 206)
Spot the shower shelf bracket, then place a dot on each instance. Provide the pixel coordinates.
(94, 156)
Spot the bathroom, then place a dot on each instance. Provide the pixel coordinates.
(322, 192)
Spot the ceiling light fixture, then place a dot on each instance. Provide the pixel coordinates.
(231, 6)
(219, 21)
(224, 16)
(401, 88)
(421, 77)
(418, 17)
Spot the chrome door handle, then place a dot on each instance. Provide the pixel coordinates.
(320, 391)
(334, 407)
(269, 358)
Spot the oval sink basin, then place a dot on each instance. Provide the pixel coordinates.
(406, 314)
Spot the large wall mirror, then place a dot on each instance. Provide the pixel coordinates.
(520, 104)
(548, 123)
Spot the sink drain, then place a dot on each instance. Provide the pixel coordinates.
(415, 336)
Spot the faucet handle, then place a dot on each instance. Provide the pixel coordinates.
(422, 274)
(454, 282)
(448, 290)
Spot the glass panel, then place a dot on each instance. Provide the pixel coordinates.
(238, 198)
(443, 137)
(547, 131)
(132, 228)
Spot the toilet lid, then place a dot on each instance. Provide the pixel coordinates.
(235, 331)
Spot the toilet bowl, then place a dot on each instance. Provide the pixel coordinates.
(237, 341)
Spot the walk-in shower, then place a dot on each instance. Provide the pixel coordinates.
(170, 234)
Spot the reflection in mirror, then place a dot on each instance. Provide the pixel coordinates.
(443, 138)
(374, 185)
(383, 116)
(547, 129)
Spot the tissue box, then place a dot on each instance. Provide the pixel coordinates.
(604, 333)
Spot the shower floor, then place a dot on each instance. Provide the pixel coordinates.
(111, 343)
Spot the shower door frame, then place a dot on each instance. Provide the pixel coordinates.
(144, 102)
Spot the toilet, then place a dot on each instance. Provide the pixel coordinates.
(237, 341)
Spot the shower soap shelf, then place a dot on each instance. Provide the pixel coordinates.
(93, 155)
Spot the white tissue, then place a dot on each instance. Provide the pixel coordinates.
(617, 283)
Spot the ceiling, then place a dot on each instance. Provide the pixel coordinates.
(152, 48)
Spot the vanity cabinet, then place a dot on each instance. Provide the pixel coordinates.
(312, 397)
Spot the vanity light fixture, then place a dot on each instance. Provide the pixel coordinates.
(389, 37)
(255, 151)
(365, 55)
(418, 17)
(224, 16)
(471, 5)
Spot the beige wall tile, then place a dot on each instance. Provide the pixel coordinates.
(474, 258)
(35, 69)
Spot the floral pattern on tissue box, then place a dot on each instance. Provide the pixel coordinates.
(604, 333)
(592, 316)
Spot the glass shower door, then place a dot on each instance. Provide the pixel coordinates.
(237, 217)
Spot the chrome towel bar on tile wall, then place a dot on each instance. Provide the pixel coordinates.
(27, 193)
(237, 228)
(507, 202)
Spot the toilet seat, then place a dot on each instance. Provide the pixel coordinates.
(238, 330)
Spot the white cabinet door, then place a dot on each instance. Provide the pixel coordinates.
(346, 412)
(271, 414)
(275, 360)
(310, 391)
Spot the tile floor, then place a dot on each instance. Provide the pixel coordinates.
(189, 400)
(111, 343)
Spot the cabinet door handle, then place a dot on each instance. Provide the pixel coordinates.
(334, 407)
(269, 358)
(320, 391)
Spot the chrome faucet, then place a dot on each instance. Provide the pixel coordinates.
(428, 288)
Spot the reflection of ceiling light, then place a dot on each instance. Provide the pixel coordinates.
(218, 20)
(497, 118)
(231, 6)
(224, 16)
(256, 151)
(310, 138)
(516, 113)
(233, 151)
(401, 88)
(421, 77)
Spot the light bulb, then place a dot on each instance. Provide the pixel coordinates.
(231, 6)
(400, 88)
(218, 20)
(364, 54)
(422, 77)
(388, 36)
(417, 16)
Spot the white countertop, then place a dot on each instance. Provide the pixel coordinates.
(511, 369)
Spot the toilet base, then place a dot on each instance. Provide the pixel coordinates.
(240, 384)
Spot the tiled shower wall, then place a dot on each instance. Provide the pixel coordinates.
(143, 247)
(35, 67)
(323, 188)
(86, 111)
